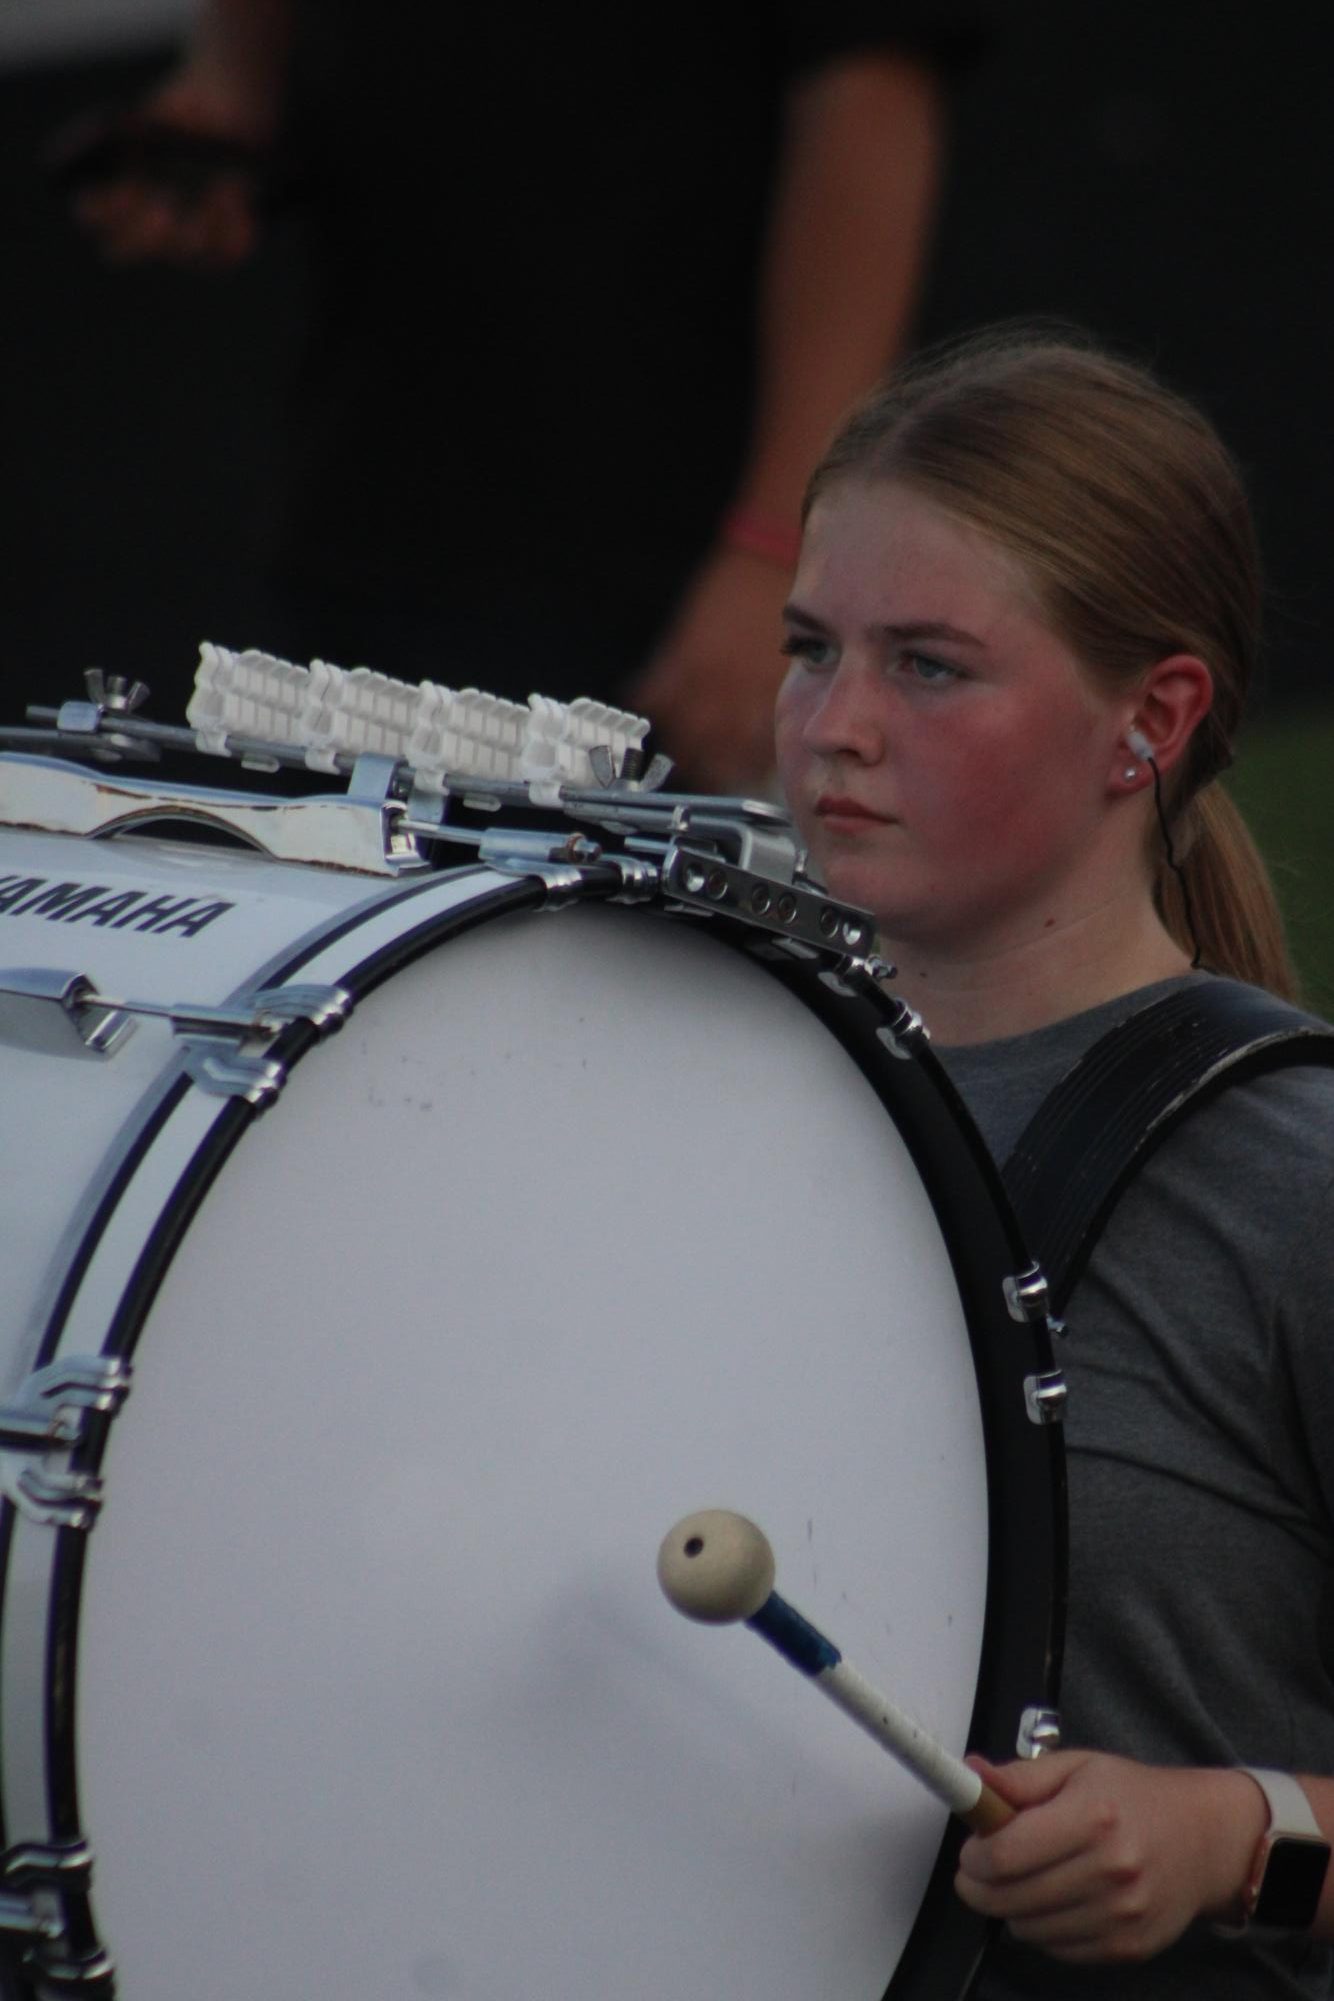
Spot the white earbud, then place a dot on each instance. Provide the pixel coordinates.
(1139, 744)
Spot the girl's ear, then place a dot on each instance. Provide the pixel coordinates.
(1171, 702)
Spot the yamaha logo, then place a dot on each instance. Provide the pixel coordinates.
(113, 909)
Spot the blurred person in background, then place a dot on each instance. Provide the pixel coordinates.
(587, 298)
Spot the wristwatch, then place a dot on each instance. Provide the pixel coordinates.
(1288, 1873)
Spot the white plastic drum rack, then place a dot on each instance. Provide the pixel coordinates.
(336, 1444)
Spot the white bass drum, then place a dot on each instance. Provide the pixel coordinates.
(338, 1442)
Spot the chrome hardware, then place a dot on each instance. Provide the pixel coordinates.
(859, 975)
(79, 718)
(261, 1013)
(61, 1013)
(560, 884)
(114, 692)
(907, 1028)
(53, 1414)
(97, 720)
(1044, 1397)
(59, 1500)
(58, 1013)
(226, 1073)
(325, 1008)
(58, 1400)
(211, 1037)
(371, 780)
(641, 879)
(388, 813)
(38, 1865)
(367, 835)
(37, 1878)
(20, 1917)
(1026, 1295)
(523, 851)
(1039, 1731)
(561, 862)
(632, 774)
(702, 879)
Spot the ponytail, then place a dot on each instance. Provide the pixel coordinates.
(1233, 920)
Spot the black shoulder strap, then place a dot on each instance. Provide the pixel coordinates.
(1126, 1093)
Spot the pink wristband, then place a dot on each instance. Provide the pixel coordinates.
(773, 540)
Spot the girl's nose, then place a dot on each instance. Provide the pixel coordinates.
(845, 721)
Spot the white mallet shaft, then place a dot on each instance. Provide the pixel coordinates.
(718, 1567)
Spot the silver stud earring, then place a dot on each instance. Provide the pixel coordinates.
(1129, 773)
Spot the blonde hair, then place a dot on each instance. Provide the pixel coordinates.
(1131, 523)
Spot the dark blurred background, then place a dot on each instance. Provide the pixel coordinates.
(1163, 174)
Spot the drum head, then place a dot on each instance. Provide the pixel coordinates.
(582, 1222)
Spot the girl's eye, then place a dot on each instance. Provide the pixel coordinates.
(930, 672)
(808, 648)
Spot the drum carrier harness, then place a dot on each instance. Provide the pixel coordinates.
(1113, 1109)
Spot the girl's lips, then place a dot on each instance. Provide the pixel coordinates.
(836, 811)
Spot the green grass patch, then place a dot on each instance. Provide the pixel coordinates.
(1284, 784)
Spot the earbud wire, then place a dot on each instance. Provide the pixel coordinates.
(1172, 861)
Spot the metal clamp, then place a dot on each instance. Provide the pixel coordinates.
(55, 1414)
(699, 879)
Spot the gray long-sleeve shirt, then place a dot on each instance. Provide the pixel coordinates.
(1200, 1440)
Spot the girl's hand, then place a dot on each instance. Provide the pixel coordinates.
(1111, 1860)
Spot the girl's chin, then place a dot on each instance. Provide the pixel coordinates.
(851, 878)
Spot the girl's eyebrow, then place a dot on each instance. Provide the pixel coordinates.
(796, 614)
(931, 628)
(902, 634)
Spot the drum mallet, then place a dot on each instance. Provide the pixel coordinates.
(717, 1567)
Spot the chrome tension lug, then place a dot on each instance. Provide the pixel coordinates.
(37, 1881)
(326, 1008)
(1027, 1297)
(1039, 1731)
(54, 1414)
(1045, 1397)
(53, 1411)
(903, 1033)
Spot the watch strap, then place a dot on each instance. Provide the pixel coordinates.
(1291, 1863)
(1289, 1809)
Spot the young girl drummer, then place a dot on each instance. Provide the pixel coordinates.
(1021, 631)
